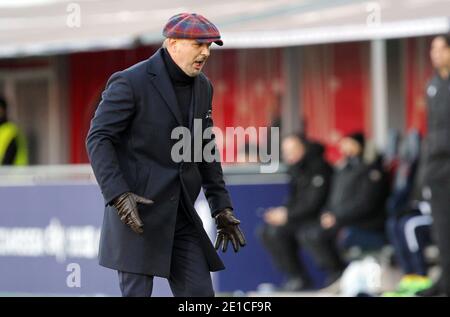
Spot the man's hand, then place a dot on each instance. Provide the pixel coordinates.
(276, 216)
(126, 205)
(327, 220)
(228, 229)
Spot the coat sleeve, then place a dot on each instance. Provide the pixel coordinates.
(111, 119)
(212, 175)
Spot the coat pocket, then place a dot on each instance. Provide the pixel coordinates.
(142, 185)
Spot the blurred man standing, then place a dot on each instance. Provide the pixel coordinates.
(130, 148)
(437, 157)
(310, 178)
(13, 148)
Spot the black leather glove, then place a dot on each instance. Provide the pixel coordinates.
(126, 205)
(228, 229)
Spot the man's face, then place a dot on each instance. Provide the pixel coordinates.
(293, 150)
(349, 147)
(440, 53)
(189, 54)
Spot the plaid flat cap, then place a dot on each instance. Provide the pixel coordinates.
(192, 26)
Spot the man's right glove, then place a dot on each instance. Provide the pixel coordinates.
(228, 229)
(126, 205)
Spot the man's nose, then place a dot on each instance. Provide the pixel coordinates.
(205, 50)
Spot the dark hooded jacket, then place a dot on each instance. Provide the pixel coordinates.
(309, 185)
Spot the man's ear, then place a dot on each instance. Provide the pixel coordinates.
(172, 45)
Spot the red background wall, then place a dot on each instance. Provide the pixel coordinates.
(335, 92)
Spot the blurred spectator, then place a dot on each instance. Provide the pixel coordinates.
(437, 157)
(13, 149)
(405, 175)
(310, 177)
(353, 216)
(404, 215)
(410, 234)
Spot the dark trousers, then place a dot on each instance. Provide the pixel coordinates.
(365, 239)
(440, 208)
(282, 244)
(411, 262)
(322, 245)
(189, 271)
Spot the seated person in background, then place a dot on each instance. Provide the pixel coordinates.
(405, 215)
(409, 235)
(310, 179)
(353, 215)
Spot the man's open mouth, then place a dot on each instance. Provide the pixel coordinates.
(199, 63)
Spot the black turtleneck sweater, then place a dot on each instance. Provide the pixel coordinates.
(182, 85)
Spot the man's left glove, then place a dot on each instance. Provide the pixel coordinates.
(228, 229)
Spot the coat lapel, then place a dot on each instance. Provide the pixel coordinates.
(161, 81)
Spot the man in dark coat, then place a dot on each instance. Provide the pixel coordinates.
(130, 146)
(310, 177)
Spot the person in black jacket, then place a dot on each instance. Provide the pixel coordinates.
(353, 215)
(310, 177)
(436, 169)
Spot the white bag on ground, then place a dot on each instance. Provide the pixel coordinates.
(361, 277)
